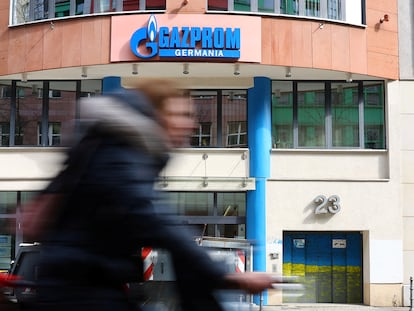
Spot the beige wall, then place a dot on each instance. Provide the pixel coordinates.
(406, 95)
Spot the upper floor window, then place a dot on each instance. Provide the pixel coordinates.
(309, 114)
(221, 117)
(33, 10)
(201, 135)
(237, 133)
(53, 134)
(43, 112)
(341, 10)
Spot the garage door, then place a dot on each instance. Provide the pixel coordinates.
(330, 264)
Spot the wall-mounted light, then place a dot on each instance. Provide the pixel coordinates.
(84, 73)
(24, 77)
(385, 18)
(321, 25)
(288, 72)
(349, 77)
(236, 69)
(186, 69)
(134, 69)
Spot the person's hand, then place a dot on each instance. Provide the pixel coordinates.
(252, 282)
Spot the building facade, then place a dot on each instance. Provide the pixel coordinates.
(304, 113)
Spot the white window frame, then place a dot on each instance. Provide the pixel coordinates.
(50, 134)
(239, 134)
(200, 135)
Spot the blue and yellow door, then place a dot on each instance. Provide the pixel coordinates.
(330, 264)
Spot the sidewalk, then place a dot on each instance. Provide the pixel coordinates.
(326, 307)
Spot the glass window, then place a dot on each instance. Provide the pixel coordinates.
(155, 5)
(311, 114)
(41, 106)
(218, 5)
(4, 134)
(334, 9)
(222, 118)
(8, 202)
(28, 114)
(345, 115)
(242, 5)
(282, 114)
(312, 8)
(234, 118)
(205, 103)
(237, 134)
(328, 115)
(374, 115)
(202, 135)
(54, 134)
(7, 242)
(266, 5)
(131, 5)
(211, 214)
(38, 9)
(290, 7)
(62, 8)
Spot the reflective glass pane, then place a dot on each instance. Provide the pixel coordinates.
(374, 115)
(7, 242)
(290, 7)
(218, 5)
(205, 134)
(62, 8)
(155, 5)
(28, 112)
(8, 202)
(62, 111)
(242, 5)
(266, 6)
(345, 115)
(282, 114)
(312, 8)
(5, 101)
(234, 118)
(231, 204)
(311, 114)
(131, 5)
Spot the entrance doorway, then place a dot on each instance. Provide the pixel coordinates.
(329, 262)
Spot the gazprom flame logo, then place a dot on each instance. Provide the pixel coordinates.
(186, 42)
(152, 28)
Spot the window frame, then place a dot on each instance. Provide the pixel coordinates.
(239, 134)
(328, 117)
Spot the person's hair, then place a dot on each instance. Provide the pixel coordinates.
(158, 90)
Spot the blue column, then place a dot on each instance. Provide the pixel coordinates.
(110, 84)
(259, 138)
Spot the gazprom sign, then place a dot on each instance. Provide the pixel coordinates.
(196, 42)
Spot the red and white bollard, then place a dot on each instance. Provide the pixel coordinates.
(149, 258)
(240, 261)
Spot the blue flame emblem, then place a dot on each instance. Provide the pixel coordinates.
(152, 28)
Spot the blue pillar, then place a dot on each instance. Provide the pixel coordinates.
(110, 84)
(259, 131)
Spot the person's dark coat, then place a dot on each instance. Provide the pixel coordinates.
(107, 213)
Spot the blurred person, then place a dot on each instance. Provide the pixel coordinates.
(98, 212)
